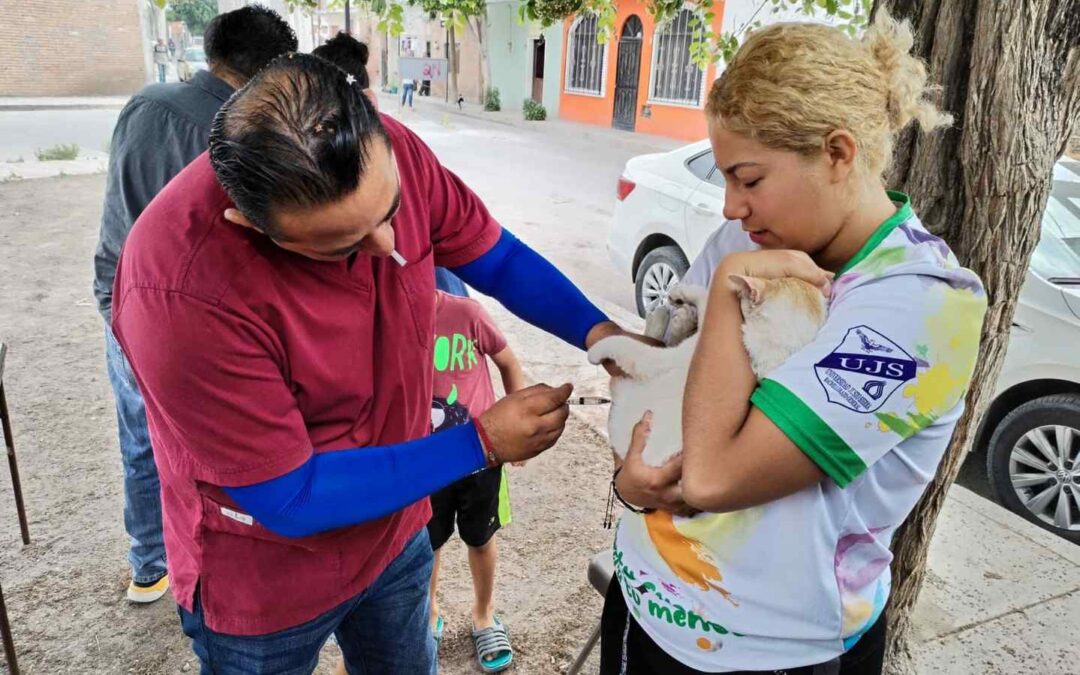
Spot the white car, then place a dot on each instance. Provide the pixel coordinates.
(670, 203)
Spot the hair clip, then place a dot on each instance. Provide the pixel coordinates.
(318, 128)
(350, 79)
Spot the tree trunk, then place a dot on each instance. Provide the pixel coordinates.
(1010, 75)
(451, 63)
(476, 24)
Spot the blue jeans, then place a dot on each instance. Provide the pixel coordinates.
(142, 491)
(161, 72)
(406, 93)
(447, 281)
(382, 631)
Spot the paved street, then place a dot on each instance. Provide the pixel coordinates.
(23, 132)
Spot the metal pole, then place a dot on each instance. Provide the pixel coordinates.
(348, 21)
(9, 440)
(9, 644)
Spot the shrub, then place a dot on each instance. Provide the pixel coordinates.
(58, 152)
(491, 100)
(534, 112)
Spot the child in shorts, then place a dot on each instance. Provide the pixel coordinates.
(464, 336)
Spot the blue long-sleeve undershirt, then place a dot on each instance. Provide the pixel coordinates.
(533, 289)
(335, 489)
(346, 487)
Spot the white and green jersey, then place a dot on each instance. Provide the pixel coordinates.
(872, 401)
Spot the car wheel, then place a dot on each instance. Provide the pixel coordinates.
(1034, 463)
(657, 274)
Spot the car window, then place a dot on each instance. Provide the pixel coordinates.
(1057, 255)
(716, 177)
(701, 165)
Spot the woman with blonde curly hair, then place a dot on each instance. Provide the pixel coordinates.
(799, 481)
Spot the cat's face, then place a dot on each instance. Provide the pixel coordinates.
(777, 301)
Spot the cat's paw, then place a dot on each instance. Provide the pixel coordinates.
(656, 323)
(619, 349)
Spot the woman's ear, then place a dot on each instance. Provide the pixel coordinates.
(841, 151)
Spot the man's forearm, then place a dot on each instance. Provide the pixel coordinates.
(347, 487)
(534, 290)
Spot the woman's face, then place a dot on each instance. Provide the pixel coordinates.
(785, 200)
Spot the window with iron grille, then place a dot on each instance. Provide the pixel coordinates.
(675, 76)
(585, 70)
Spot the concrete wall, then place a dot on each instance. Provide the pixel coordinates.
(71, 47)
(553, 69)
(676, 120)
(510, 51)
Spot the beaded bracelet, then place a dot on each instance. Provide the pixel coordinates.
(485, 442)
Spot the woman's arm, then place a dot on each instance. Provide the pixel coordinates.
(733, 456)
(714, 471)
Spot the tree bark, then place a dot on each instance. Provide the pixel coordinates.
(1010, 75)
(451, 63)
(476, 25)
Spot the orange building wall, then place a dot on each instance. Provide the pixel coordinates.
(675, 121)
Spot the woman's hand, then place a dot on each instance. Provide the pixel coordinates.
(646, 486)
(775, 264)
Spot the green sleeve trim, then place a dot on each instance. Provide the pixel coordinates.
(902, 214)
(808, 431)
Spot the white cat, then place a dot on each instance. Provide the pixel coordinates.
(780, 316)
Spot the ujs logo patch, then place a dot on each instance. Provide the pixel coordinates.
(864, 370)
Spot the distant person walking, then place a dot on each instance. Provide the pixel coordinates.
(161, 58)
(408, 85)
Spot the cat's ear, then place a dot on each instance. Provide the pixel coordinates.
(751, 288)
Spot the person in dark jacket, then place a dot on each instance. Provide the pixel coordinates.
(159, 132)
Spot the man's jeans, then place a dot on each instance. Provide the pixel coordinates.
(382, 631)
(142, 492)
(161, 72)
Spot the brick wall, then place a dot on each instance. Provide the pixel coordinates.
(70, 47)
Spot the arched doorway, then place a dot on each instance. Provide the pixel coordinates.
(627, 72)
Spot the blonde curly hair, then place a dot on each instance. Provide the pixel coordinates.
(792, 84)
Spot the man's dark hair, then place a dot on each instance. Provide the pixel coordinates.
(347, 53)
(297, 135)
(246, 39)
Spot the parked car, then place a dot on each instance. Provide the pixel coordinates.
(191, 61)
(668, 205)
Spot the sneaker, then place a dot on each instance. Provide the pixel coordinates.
(149, 592)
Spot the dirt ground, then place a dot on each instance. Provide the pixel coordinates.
(64, 592)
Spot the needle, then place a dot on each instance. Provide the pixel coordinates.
(588, 400)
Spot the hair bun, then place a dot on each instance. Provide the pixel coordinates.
(889, 42)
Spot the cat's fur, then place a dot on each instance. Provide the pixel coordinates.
(780, 316)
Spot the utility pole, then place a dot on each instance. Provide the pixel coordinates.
(348, 21)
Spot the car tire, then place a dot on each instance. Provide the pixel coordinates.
(1060, 410)
(660, 269)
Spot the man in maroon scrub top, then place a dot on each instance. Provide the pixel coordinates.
(276, 301)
